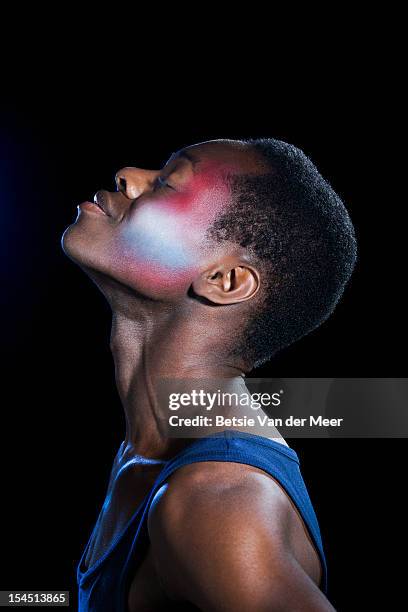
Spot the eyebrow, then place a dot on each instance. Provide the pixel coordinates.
(184, 155)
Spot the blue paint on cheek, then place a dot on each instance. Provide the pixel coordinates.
(155, 237)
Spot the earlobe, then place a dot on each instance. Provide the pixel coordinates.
(226, 285)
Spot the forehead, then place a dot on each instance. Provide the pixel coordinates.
(234, 155)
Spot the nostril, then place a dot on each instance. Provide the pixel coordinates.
(122, 183)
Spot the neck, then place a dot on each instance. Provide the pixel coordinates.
(155, 344)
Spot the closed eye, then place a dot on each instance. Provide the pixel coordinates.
(161, 183)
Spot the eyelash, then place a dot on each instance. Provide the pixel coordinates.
(161, 183)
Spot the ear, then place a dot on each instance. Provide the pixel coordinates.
(223, 284)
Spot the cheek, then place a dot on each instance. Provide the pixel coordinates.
(157, 250)
(161, 237)
(161, 245)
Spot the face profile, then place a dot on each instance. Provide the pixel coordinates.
(150, 234)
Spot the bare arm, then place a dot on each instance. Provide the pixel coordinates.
(225, 547)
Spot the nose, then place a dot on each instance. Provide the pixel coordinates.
(132, 182)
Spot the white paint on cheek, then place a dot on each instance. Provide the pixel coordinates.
(157, 236)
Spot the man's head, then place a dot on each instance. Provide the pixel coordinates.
(248, 228)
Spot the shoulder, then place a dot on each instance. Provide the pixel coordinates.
(209, 496)
(228, 527)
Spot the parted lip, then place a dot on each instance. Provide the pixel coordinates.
(101, 202)
(112, 204)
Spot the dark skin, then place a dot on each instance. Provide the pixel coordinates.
(148, 254)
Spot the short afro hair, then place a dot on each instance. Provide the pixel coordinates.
(299, 230)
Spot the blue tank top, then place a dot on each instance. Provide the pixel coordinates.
(104, 586)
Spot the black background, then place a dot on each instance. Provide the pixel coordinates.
(61, 416)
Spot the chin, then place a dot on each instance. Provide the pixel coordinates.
(82, 250)
(74, 245)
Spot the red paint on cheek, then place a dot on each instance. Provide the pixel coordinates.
(156, 280)
(204, 194)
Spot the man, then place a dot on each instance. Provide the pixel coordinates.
(230, 252)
